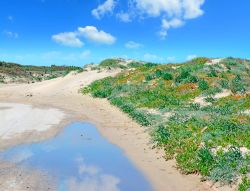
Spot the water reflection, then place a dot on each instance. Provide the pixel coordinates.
(81, 160)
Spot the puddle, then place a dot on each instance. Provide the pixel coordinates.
(80, 159)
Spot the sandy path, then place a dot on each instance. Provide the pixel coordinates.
(62, 93)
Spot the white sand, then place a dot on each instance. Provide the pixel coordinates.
(20, 118)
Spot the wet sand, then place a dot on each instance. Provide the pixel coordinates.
(118, 128)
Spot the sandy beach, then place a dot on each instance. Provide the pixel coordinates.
(61, 96)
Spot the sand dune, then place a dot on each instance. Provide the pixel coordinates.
(62, 93)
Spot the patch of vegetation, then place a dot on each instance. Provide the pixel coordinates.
(202, 139)
(12, 72)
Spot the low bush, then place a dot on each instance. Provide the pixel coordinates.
(237, 85)
(227, 166)
(224, 84)
(245, 184)
(160, 135)
(167, 76)
(184, 74)
(203, 85)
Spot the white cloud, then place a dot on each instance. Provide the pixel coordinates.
(124, 17)
(68, 39)
(10, 34)
(192, 8)
(187, 9)
(133, 45)
(167, 24)
(190, 57)
(163, 34)
(91, 178)
(107, 6)
(91, 33)
(174, 23)
(173, 13)
(157, 7)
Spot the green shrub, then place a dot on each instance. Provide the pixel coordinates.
(160, 135)
(245, 184)
(158, 73)
(150, 77)
(139, 116)
(210, 99)
(109, 63)
(195, 106)
(212, 73)
(182, 76)
(237, 85)
(227, 166)
(203, 85)
(186, 159)
(205, 161)
(102, 93)
(134, 64)
(167, 76)
(224, 124)
(200, 60)
(213, 90)
(224, 84)
(192, 79)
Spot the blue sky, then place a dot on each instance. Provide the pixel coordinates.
(77, 32)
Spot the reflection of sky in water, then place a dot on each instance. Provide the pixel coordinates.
(81, 160)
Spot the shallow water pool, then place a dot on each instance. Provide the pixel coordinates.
(80, 159)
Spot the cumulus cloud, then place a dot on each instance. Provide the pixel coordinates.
(173, 13)
(91, 178)
(132, 45)
(107, 7)
(192, 8)
(174, 23)
(10, 34)
(167, 24)
(91, 33)
(157, 7)
(124, 17)
(188, 9)
(68, 39)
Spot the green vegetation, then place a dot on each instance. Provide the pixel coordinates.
(202, 139)
(110, 63)
(12, 72)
